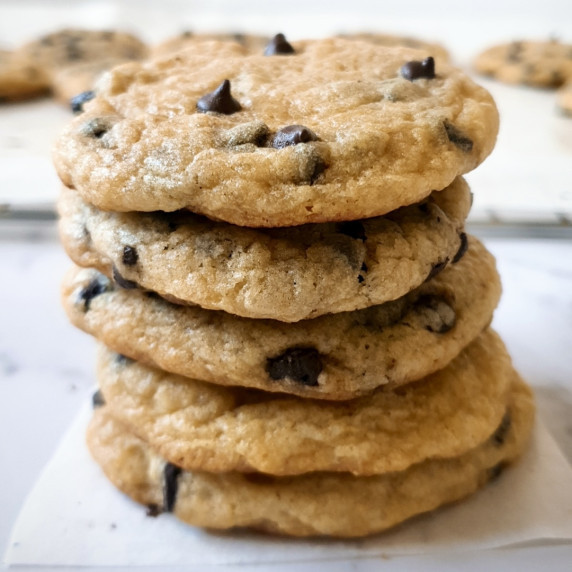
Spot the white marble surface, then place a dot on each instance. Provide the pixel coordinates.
(46, 366)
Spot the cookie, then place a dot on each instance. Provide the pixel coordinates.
(437, 51)
(337, 356)
(538, 64)
(564, 98)
(201, 426)
(187, 40)
(67, 62)
(315, 504)
(19, 78)
(73, 80)
(338, 130)
(283, 274)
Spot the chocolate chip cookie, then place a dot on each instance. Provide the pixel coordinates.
(337, 356)
(201, 426)
(19, 78)
(337, 130)
(534, 63)
(282, 274)
(66, 62)
(315, 504)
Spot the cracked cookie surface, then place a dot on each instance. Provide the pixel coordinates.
(369, 140)
(282, 274)
(330, 504)
(337, 356)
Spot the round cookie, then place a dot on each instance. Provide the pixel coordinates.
(437, 51)
(187, 40)
(337, 356)
(539, 64)
(201, 426)
(316, 504)
(564, 98)
(282, 274)
(339, 130)
(19, 78)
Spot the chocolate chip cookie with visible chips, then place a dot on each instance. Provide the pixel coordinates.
(535, 63)
(337, 130)
(201, 426)
(337, 356)
(315, 504)
(283, 274)
(66, 63)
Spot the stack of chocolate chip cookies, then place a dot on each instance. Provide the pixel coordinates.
(293, 323)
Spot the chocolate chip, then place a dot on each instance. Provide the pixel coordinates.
(97, 399)
(96, 287)
(123, 282)
(458, 138)
(352, 228)
(153, 510)
(123, 360)
(416, 69)
(435, 314)
(302, 365)
(219, 101)
(96, 127)
(130, 256)
(514, 51)
(76, 102)
(464, 246)
(170, 485)
(499, 436)
(436, 269)
(495, 472)
(292, 135)
(279, 46)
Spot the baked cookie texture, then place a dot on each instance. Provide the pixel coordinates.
(338, 356)
(564, 98)
(535, 63)
(332, 132)
(200, 426)
(19, 78)
(315, 504)
(282, 274)
(66, 62)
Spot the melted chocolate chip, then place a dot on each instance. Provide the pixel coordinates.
(153, 510)
(499, 436)
(97, 399)
(130, 256)
(279, 46)
(292, 135)
(496, 471)
(353, 228)
(96, 287)
(458, 138)
(302, 365)
(123, 282)
(123, 360)
(514, 52)
(76, 102)
(436, 269)
(462, 248)
(363, 269)
(219, 101)
(435, 313)
(418, 69)
(170, 485)
(96, 128)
